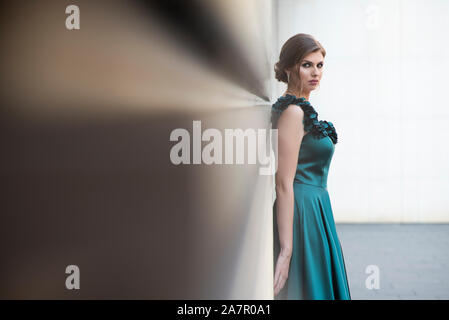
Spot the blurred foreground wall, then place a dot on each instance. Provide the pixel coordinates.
(86, 175)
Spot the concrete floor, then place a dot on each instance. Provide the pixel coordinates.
(413, 260)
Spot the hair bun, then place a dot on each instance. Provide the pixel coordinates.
(279, 73)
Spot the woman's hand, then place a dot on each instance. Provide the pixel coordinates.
(281, 272)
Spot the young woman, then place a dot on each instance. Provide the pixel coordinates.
(308, 258)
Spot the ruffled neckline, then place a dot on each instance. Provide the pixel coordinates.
(318, 128)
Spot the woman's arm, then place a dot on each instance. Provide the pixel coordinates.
(290, 134)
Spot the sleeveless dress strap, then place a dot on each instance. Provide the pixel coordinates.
(318, 128)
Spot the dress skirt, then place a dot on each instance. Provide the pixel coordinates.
(317, 267)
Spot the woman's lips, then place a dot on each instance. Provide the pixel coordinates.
(313, 82)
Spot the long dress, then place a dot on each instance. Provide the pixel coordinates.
(317, 267)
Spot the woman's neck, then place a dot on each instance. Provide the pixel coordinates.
(297, 94)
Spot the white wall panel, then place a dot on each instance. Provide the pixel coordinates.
(384, 90)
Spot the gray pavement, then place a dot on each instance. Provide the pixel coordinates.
(413, 260)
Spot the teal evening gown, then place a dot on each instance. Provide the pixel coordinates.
(317, 267)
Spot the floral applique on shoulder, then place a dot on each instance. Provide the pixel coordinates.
(318, 128)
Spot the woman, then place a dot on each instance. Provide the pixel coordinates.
(309, 261)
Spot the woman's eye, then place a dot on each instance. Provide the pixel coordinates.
(306, 65)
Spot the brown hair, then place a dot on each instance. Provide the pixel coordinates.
(292, 53)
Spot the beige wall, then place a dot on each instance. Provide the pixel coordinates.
(86, 163)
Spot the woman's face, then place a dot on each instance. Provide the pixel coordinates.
(311, 70)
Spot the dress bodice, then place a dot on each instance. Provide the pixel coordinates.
(317, 145)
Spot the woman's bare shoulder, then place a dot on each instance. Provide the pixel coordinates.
(293, 111)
